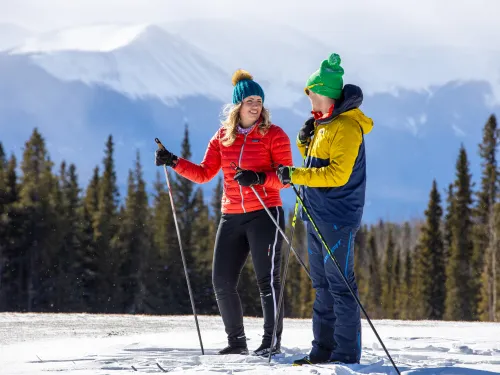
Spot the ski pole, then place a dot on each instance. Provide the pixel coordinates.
(282, 233)
(276, 223)
(160, 146)
(282, 288)
(335, 261)
(285, 272)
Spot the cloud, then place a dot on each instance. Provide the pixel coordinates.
(362, 21)
(384, 44)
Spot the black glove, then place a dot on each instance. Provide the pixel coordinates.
(165, 157)
(285, 174)
(246, 177)
(306, 131)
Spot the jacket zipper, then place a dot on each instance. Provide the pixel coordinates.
(308, 150)
(239, 164)
(265, 192)
(316, 131)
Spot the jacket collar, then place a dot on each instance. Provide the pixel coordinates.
(351, 98)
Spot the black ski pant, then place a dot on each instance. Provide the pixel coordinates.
(237, 236)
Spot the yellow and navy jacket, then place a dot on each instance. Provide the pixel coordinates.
(334, 172)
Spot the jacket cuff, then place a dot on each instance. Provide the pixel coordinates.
(180, 166)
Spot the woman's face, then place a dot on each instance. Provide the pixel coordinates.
(250, 110)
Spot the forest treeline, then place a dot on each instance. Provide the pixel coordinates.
(68, 248)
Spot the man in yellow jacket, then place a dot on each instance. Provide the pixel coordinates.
(333, 191)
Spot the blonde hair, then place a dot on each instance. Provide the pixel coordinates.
(231, 119)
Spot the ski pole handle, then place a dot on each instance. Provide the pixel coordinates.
(235, 166)
(160, 146)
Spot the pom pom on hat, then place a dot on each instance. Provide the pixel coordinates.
(240, 75)
(244, 86)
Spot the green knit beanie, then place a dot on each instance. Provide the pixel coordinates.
(327, 80)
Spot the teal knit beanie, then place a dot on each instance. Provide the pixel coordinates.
(244, 86)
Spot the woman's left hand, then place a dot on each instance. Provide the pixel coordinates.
(247, 177)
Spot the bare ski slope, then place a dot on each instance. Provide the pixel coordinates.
(82, 344)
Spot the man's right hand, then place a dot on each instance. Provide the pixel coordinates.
(284, 174)
(307, 131)
(165, 157)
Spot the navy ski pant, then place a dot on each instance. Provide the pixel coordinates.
(336, 315)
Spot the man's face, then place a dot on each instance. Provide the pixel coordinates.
(316, 101)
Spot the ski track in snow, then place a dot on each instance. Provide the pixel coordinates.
(84, 344)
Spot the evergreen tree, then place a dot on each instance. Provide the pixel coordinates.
(11, 242)
(183, 195)
(135, 243)
(459, 298)
(292, 294)
(105, 227)
(361, 262)
(374, 301)
(165, 249)
(3, 181)
(74, 214)
(396, 290)
(166, 240)
(3, 160)
(185, 203)
(3, 226)
(430, 267)
(11, 188)
(388, 288)
(201, 247)
(406, 296)
(448, 221)
(70, 256)
(90, 258)
(36, 205)
(485, 239)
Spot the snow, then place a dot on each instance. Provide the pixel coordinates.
(177, 60)
(279, 56)
(139, 61)
(97, 38)
(174, 60)
(12, 35)
(84, 344)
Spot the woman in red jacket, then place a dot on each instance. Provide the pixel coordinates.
(249, 140)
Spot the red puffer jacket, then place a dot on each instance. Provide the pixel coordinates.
(254, 151)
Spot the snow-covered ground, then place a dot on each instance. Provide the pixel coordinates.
(82, 344)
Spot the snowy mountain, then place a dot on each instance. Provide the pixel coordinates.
(12, 35)
(139, 61)
(176, 61)
(279, 56)
(139, 82)
(125, 344)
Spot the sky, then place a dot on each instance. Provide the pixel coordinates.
(457, 23)
(389, 42)
(385, 45)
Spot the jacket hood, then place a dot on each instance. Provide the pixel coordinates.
(348, 105)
